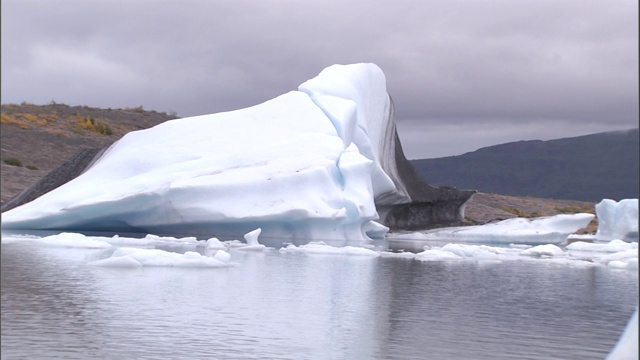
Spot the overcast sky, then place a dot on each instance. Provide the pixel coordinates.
(463, 74)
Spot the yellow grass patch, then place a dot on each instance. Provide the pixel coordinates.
(6, 119)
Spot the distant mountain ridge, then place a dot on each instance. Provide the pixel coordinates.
(587, 168)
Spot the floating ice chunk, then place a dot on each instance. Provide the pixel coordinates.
(319, 247)
(215, 244)
(627, 346)
(360, 251)
(252, 237)
(437, 255)
(172, 241)
(475, 251)
(582, 237)
(547, 250)
(128, 241)
(401, 254)
(622, 256)
(519, 246)
(252, 242)
(258, 247)
(235, 243)
(455, 251)
(157, 257)
(223, 256)
(617, 220)
(610, 247)
(120, 261)
(552, 229)
(631, 264)
(72, 240)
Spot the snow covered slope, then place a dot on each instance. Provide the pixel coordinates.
(318, 163)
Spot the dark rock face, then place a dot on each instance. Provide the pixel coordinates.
(421, 206)
(68, 171)
(430, 207)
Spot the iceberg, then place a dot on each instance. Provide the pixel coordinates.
(320, 163)
(617, 220)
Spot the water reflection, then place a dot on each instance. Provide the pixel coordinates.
(295, 306)
(468, 310)
(46, 303)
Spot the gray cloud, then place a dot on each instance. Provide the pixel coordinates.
(474, 73)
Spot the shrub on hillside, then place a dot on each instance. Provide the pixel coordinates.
(7, 119)
(95, 126)
(13, 162)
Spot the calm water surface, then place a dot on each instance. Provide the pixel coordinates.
(296, 306)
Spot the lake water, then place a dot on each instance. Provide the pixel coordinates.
(297, 306)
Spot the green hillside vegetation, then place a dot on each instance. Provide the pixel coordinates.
(588, 168)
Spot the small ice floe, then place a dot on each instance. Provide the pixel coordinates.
(134, 257)
(437, 255)
(72, 240)
(547, 250)
(400, 254)
(223, 256)
(627, 259)
(610, 247)
(117, 240)
(234, 243)
(215, 244)
(454, 251)
(544, 230)
(629, 264)
(252, 241)
(617, 219)
(615, 254)
(321, 248)
(581, 237)
(478, 252)
(169, 241)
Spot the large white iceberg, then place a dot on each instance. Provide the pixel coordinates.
(617, 220)
(309, 164)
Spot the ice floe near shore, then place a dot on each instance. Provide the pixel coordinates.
(543, 230)
(617, 220)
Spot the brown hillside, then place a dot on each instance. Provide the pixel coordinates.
(43, 137)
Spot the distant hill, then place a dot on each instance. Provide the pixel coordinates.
(588, 168)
